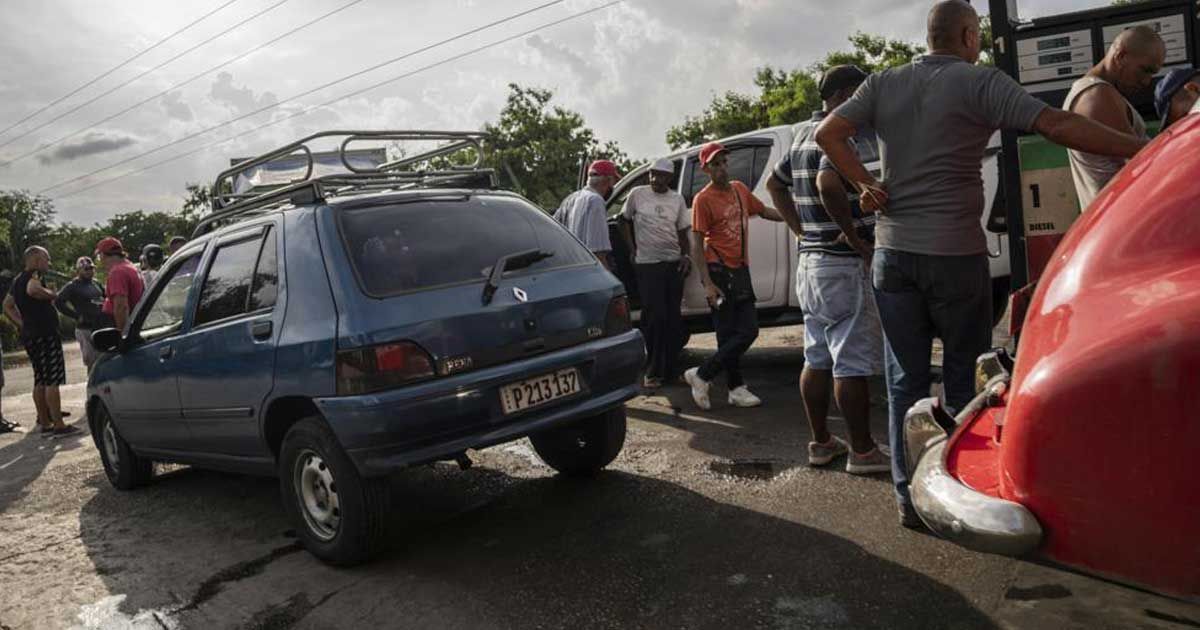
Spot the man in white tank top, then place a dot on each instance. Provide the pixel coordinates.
(1102, 94)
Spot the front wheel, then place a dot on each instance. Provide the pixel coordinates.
(339, 516)
(583, 448)
(124, 468)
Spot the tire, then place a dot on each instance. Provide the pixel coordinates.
(124, 468)
(582, 448)
(341, 518)
(999, 298)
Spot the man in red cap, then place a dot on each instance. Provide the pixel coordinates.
(584, 214)
(124, 287)
(720, 221)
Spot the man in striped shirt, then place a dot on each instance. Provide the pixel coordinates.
(843, 340)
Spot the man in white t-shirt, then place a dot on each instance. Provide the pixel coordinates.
(655, 223)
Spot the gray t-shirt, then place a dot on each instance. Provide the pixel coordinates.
(657, 220)
(933, 118)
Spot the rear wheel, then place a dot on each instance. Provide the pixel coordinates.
(339, 516)
(124, 468)
(582, 448)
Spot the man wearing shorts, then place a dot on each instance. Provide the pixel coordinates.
(30, 304)
(843, 341)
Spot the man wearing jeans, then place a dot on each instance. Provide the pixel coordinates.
(843, 342)
(720, 222)
(655, 223)
(933, 118)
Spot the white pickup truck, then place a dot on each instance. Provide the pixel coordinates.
(772, 247)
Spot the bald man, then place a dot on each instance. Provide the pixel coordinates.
(933, 118)
(30, 305)
(1102, 95)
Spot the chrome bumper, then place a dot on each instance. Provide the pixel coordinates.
(954, 511)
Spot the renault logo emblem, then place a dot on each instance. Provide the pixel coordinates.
(520, 295)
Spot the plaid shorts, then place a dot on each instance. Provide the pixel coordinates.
(46, 356)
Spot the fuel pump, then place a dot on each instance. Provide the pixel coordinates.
(1046, 55)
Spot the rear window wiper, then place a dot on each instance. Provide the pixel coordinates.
(510, 262)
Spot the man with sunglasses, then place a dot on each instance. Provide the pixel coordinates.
(81, 300)
(1102, 95)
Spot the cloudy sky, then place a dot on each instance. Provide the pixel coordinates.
(632, 70)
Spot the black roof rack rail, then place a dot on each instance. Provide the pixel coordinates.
(393, 175)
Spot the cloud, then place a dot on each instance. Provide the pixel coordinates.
(563, 55)
(92, 144)
(241, 99)
(175, 107)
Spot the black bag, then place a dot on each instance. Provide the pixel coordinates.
(734, 282)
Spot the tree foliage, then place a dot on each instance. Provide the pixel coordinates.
(26, 221)
(537, 147)
(787, 97)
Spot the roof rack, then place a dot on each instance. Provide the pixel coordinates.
(394, 175)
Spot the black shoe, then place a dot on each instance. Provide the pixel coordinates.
(7, 426)
(66, 430)
(909, 518)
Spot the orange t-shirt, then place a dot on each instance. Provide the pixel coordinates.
(716, 215)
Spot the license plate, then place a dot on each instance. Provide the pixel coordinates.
(536, 392)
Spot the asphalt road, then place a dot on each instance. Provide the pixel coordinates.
(707, 520)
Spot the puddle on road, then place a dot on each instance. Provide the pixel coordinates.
(749, 469)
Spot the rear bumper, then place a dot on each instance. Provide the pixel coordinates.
(390, 430)
(952, 509)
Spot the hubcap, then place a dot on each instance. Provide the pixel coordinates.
(317, 494)
(110, 447)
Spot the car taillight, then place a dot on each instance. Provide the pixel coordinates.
(366, 370)
(616, 320)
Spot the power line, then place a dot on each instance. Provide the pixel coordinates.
(117, 67)
(114, 89)
(178, 85)
(311, 91)
(308, 110)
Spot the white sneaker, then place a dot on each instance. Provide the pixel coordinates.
(699, 388)
(741, 397)
(877, 460)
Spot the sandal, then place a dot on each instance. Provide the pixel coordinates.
(66, 430)
(7, 426)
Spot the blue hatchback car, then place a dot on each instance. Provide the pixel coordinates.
(341, 328)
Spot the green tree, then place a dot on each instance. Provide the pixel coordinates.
(138, 229)
(786, 97)
(26, 221)
(537, 148)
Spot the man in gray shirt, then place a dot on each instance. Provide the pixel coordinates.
(933, 118)
(584, 215)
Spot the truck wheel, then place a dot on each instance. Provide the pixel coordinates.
(582, 448)
(339, 516)
(124, 468)
(999, 298)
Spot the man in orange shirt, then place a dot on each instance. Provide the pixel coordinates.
(720, 220)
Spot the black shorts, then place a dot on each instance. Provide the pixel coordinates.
(46, 356)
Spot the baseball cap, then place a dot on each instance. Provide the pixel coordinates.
(153, 253)
(839, 78)
(663, 165)
(1168, 86)
(603, 167)
(110, 245)
(710, 151)
(84, 261)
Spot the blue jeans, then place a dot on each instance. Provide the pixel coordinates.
(921, 297)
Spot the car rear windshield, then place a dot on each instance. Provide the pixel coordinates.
(437, 242)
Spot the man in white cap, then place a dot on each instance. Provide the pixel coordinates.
(655, 223)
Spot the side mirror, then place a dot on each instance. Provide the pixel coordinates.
(107, 340)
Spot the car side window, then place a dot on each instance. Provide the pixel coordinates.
(265, 287)
(226, 289)
(165, 315)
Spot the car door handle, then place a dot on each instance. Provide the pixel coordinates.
(261, 330)
(165, 352)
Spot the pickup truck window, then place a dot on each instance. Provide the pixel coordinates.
(742, 162)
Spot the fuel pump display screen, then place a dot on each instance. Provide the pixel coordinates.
(1054, 57)
(1051, 44)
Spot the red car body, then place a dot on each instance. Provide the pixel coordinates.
(1087, 455)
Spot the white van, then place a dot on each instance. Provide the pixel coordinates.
(772, 247)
